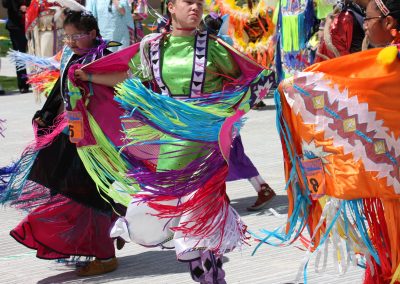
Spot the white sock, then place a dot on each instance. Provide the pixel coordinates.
(256, 182)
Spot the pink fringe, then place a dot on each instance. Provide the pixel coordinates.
(48, 134)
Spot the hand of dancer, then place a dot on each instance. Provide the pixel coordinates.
(40, 121)
(81, 75)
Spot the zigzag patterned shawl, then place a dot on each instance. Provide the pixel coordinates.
(340, 132)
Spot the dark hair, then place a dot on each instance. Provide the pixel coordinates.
(81, 20)
(168, 24)
(212, 24)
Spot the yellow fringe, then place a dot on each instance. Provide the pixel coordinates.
(396, 275)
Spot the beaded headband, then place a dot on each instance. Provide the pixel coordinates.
(385, 11)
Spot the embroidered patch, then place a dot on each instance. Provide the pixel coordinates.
(379, 147)
(349, 125)
(318, 102)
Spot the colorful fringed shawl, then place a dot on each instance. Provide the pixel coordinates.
(97, 136)
(181, 148)
(15, 188)
(43, 72)
(339, 127)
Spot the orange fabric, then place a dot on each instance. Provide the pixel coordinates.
(379, 87)
(346, 112)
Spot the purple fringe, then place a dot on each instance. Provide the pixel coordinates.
(180, 183)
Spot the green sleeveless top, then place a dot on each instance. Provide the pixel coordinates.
(177, 63)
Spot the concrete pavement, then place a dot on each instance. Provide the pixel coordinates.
(270, 265)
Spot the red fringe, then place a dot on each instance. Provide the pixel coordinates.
(375, 216)
(203, 208)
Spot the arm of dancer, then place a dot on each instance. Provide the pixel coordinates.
(107, 79)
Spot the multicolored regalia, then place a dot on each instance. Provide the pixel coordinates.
(295, 22)
(179, 124)
(341, 140)
(68, 215)
(251, 29)
(44, 28)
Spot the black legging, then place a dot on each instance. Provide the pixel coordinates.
(19, 43)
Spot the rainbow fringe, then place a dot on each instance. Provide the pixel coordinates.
(14, 186)
(178, 143)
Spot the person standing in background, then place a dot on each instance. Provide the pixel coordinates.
(44, 28)
(343, 32)
(115, 20)
(16, 10)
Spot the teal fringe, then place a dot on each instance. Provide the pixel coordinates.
(180, 118)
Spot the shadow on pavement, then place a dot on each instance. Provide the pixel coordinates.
(267, 107)
(279, 203)
(130, 267)
(11, 93)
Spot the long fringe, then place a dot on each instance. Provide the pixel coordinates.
(367, 227)
(14, 178)
(21, 60)
(43, 82)
(106, 166)
(186, 119)
(32, 196)
(217, 227)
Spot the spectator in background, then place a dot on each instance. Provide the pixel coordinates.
(44, 28)
(139, 13)
(16, 26)
(115, 20)
(343, 32)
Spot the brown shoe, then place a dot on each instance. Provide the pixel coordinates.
(260, 106)
(97, 267)
(120, 243)
(264, 195)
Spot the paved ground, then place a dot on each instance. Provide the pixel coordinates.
(269, 265)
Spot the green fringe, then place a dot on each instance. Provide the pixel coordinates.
(290, 32)
(138, 134)
(106, 166)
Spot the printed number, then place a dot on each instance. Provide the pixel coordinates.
(315, 184)
(71, 131)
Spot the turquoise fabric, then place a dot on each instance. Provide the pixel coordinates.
(113, 25)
